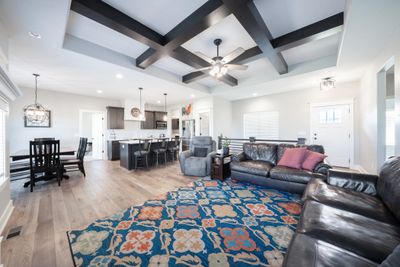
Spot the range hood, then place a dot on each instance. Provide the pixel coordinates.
(131, 108)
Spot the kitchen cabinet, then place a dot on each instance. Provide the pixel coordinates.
(175, 124)
(151, 118)
(115, 118)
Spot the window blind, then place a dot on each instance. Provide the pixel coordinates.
(261, 125)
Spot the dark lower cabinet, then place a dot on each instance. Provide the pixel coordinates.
(113, 150)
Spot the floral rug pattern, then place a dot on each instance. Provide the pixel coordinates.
(207, 223)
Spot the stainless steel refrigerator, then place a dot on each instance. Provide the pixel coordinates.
(188, 131)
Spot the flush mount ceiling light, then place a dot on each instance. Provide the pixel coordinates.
(119, 76)
(99, 91)
(255, 94)
(35, 35)
(35, 112)
(165, 117)
(192, 96)
(327, 84)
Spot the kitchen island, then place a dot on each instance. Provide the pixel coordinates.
(128, 147)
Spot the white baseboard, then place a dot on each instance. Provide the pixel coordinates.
(6, 215)
(359, 168)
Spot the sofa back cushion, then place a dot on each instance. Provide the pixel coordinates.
(202, 142)
(261, 151)
(389, 185)
(314, 148)
(268, 153)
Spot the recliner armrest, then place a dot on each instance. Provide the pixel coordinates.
(360, 182)
(239, 157)
(322, 168)
(182, 157)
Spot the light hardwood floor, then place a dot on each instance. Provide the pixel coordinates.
(46, 214)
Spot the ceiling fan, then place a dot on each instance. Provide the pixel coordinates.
(219, 66)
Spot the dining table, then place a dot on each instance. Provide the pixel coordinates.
(24, 154)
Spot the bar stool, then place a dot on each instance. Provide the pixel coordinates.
(143, 152)
(162, 149)
(173, 147)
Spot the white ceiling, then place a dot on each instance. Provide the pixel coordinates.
(64, 70)
(284, 16)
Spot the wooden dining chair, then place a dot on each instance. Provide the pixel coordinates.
(44, 159)
(80, 155)
(44, 139)
(142, 152)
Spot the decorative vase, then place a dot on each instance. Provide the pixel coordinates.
(225, 150)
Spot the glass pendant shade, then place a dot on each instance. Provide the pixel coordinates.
(165, 117)
(36, 113)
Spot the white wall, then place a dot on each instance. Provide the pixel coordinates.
(64, 117)
(293, 108)
(222, 117)
(368, 101)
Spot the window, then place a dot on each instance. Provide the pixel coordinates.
(330, 116)
(261, 125)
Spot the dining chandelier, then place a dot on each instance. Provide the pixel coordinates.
(35, 112)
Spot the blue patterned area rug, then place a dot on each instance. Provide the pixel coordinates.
(207, 223)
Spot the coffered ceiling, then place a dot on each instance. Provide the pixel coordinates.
(154, 43)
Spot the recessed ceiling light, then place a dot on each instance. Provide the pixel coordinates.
(255, 94)
(158, 101)
(192, 96)
(99, 91)
(35, 35)
(119, 76)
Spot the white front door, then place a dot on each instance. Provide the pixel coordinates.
(331, 127)
(97, 136)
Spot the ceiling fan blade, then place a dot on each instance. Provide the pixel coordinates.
(234, 54)
(236, 67)
(204, 57)
(205, 68)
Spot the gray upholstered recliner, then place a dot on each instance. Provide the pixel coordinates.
(197, 160)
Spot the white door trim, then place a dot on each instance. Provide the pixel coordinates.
(349, 102)
(81, 111)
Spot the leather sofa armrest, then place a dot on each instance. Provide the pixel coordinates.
(322, 168)
(182, 157)
(360, 182)
(239, 157)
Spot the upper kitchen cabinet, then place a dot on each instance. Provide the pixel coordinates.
(154, 120)
(115, 118)
(149, 122)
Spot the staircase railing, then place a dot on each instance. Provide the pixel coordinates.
(236, 144)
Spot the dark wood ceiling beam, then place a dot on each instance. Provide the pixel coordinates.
(212, 12)
(313, 32)
(112, 18)
(194, 76)
(247, 14)
(248, 56)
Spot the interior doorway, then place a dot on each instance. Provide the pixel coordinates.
(332, 127)
(386, 112)
(91, 126)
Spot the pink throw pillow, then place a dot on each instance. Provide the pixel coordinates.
(293, 158)
(311, 160)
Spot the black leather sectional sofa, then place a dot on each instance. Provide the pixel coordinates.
(257, 164)
(349, 220)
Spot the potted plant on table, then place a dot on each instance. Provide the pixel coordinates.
(225, 146)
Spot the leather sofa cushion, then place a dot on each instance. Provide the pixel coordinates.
(388, 185)
(360, 203)
(366, 237)
(314, 148)
(293, 175)
(305, 251)
(251, 151)
(255, 167)
(267, 152)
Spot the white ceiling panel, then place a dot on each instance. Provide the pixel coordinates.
(94, 32)
(172, 65)
(261, 65)
(209, 82)
(159, 15)
(313, 50)
(284, 16)
(233, 35)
